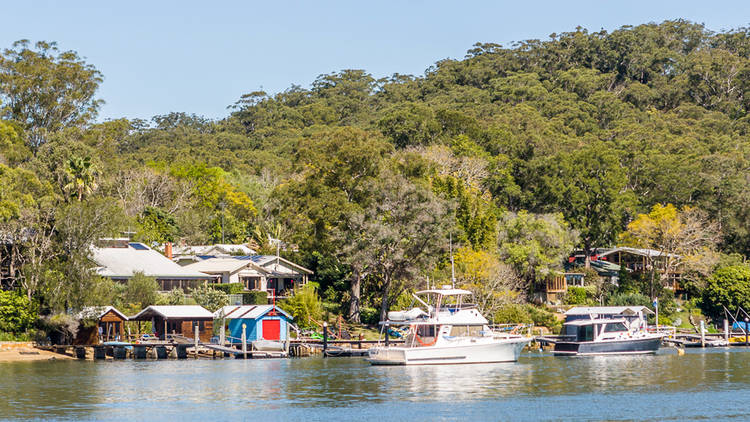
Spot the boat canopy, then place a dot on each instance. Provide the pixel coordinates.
(445, 292)
(580, 322)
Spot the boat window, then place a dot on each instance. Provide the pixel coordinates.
(615, 327)
(466, 331)
(586, 333)
(426, 330)
(569, 330)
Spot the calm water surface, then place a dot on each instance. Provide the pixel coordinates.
(701, 385)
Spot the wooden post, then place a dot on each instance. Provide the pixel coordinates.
(223, 333)
(244, 342)
(387, 336)
(286, 345)
(746, 330)
(165, 330)
(726, 330)
(703, 334)
(325, 338)
(195, 340)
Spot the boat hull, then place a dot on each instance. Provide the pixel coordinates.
(618, 347)
(506, 350)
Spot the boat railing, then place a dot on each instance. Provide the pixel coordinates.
(512, 328)
(665, 330)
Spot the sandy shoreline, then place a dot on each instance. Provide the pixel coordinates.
(28, 354)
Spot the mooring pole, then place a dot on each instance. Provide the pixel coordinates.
(726, 330)
(195, 341)
(746, 330)
(325, 338)
(387, 337)
(244, 342)
(703, 334)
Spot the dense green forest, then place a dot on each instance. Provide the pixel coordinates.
(517, 154)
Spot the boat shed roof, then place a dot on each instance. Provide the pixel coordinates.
(608, 310)
(248, 311)
(96, 312)
(445, 292)
(193, 312)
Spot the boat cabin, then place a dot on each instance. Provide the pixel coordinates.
(595, 330)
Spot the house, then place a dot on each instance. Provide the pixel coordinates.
(638, 261)
(185, 255)
(179, 320)
(110, 325)
(275, 275)
(119, 259)
(261, 322)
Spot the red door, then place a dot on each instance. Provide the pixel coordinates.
(271, 329)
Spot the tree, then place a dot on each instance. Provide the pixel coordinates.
(401, 233)
(534, 245)
(493, 283)
(304, 306)
(82, 176)
(685, 239)
(47, 90)
(728, 287)
(141, 290)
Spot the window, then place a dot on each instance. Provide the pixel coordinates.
(466, 331)
(615, 327)
(586, 333)
(426, 330)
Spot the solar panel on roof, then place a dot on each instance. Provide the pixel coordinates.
(138, 246)
(242, 257)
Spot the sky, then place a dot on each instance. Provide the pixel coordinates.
(199, 57)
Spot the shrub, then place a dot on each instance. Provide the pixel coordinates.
(575, 296)
(727, 286)
(60, 328)
(628, 299)
(370, 316)
(209, 298)
(512, 313)
(254, 298)
(16, 312)
(543, 317)
(228, 288)
(174, 297)
(304, 305)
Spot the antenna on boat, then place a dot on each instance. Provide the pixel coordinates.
(453, 270)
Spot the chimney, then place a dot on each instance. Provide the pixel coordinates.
(168, 250)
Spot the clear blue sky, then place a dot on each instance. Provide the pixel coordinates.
(199, 56)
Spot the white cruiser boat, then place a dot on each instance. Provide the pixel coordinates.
(446, 331)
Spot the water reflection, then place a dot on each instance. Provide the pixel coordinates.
(539, 386)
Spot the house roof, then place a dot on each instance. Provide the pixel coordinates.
(173, 312)
(248, 311)
(608, 310)
(637, 251)
(217, 265)
(123, 262)
(217, 249)
(96, 312)
(267, 261)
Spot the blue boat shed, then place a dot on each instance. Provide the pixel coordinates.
(262, 322)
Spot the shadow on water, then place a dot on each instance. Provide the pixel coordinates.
(699, 384)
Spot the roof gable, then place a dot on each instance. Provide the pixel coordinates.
(248, 311)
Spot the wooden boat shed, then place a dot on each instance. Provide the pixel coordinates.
(178, 320)
(110, 325)
(262, 322)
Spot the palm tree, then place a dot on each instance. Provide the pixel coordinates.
(83, 177)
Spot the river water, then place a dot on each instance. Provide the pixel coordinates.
(711, 384)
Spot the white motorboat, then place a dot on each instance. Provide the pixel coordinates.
(446, 331)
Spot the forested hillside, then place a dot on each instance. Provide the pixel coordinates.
(518, 153)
